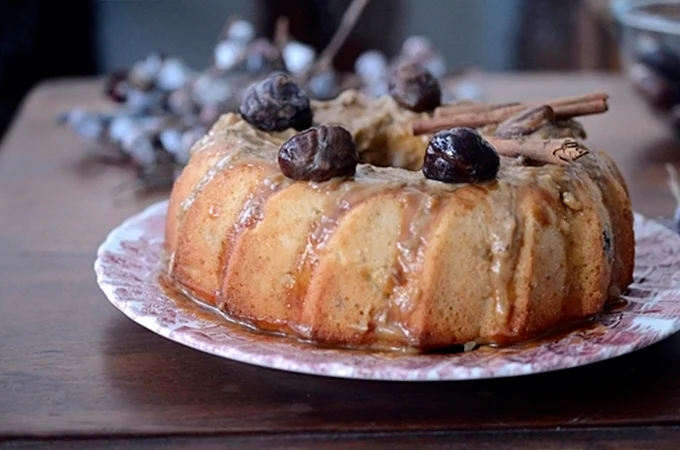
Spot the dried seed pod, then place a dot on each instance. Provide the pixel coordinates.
(262, 57)
(228, 53)
(159, 174)
(116, 86)
(241, 31)
(324, 85)
(86, 124)
(145, 102)
(171, 140)
(436, 65)
(416, 47)
(371, 66)
(173, 74)
(140, 146)
(298, 57)
(121, 126)
(419, 49)
(180, 102)
(190, 137)
(319, 154)
(276, 103)
(212, 89)
(144, 73)
(414, 88)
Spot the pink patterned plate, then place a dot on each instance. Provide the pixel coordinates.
(128, 268)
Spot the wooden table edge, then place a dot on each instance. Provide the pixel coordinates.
(616, 437)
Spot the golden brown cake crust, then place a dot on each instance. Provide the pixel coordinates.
(387, 258)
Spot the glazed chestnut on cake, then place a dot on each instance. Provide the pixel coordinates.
(414, 88)
(460, 155)
(319, 154)
(276, 103)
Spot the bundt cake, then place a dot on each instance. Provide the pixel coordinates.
(360, 222)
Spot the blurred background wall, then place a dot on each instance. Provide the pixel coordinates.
(41, 39)
(478, 32)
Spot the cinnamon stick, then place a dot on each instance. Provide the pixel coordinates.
(578, 99)
(449, 110)
(469, 107)
(551, 151)
(580, 109)
(465, 119)
(525, 122)
(495, 116)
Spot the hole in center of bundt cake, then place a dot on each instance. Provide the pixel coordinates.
(383, 151)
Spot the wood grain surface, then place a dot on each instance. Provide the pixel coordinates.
(75, 370)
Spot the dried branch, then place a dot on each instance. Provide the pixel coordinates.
(349, 19)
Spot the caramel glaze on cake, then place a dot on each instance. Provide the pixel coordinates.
(387, 258)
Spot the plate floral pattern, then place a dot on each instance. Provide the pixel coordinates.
(129, 262)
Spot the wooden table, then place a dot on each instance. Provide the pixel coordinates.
(74, 370)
